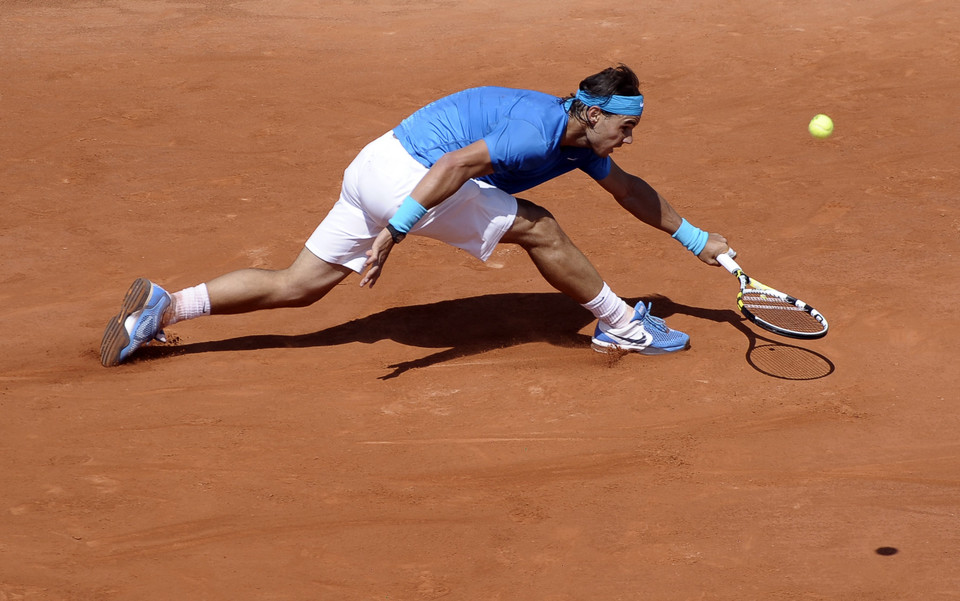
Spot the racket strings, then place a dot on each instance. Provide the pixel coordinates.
(780, 312)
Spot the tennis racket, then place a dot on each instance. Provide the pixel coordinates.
(773, 310)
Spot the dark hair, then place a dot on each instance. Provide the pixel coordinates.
(619, 80)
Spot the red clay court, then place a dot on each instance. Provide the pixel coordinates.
(450, 434)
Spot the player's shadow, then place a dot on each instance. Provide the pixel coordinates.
(459, 327)
(464, 327)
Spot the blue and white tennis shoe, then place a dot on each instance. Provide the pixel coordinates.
(645, 334)
(138, 323)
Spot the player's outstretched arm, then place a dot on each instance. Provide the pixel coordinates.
(641, 200)
(646, 204)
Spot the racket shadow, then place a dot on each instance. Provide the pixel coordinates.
(769, 356)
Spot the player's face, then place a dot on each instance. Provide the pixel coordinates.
(611, 132)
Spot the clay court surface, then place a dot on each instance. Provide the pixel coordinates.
(450, 434)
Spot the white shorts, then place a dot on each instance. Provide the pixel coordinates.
(475, 218)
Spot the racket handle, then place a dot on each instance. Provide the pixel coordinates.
(726, 259)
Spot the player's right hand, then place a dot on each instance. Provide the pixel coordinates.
(716, 245)
(376, 257)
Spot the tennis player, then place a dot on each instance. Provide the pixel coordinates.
(450, 172)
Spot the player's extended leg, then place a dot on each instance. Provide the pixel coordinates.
(147, 308)
(304, 282)
(568, 270)
(559, 261)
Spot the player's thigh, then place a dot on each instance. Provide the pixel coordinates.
(474, 219)
(374, 186)
(533, 225)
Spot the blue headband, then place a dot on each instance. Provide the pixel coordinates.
(618, 105)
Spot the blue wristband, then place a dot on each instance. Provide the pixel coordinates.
(693, 238)
(407, 215)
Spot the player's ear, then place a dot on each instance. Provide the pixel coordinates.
(593, 115)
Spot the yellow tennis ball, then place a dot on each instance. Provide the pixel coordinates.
(821, 126)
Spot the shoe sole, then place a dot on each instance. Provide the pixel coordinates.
(650, 350)
(115, 337)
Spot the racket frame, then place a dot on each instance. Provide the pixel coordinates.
(726, 260)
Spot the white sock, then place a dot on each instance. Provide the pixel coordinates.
(190, 303)
(610, 308)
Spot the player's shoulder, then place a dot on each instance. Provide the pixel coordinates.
(501, 94)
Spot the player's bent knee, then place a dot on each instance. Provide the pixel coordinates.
(300, 292)
(309, 279)
(301, 296)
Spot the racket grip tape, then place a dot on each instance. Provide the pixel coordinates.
(726, 259)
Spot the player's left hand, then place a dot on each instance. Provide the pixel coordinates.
(716, 245)
(376, 257)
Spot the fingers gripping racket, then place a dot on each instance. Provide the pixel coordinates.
(773, 310)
